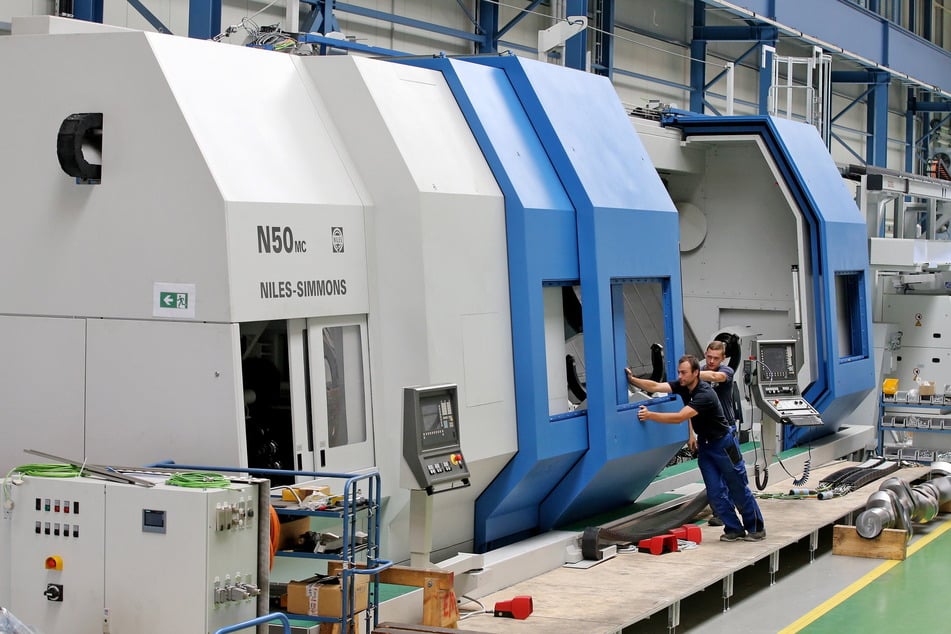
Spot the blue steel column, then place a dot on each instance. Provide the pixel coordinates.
(910, 140)
(764, 34)
(489, 27)
(604, 38)
(204, 19)
(876, 112)
(698, 56)
(576, 48)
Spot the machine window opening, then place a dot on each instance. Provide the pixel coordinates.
(265, 368)
(640, 322)
(851, 315)
(564, 348)
(344, 382)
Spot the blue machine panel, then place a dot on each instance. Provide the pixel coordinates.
(584, 206)
(627, 228)
(542, 247)
(839, 243)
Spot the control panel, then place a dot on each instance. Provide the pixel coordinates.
(90, 554)
(431, 445)
(775, 385)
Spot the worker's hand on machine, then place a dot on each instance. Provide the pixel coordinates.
(630, 376)
(643, 413)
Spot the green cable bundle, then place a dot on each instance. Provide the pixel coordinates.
(48, 470)
(199, 480)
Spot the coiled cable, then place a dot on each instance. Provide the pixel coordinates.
(199, 480)
(37, 470)
(807, 465)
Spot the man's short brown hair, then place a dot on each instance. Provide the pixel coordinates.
(717, 346)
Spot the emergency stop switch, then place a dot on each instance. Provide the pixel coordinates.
(54, 562)
(456, 458)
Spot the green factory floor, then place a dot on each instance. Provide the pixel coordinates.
(831, 594)
(909, 594)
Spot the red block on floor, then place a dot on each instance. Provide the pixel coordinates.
(689, 532)
(667, 543)
(659, 544)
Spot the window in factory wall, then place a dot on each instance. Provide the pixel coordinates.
(564, 348)
(851, 327)
(641, 309)
(267, 401)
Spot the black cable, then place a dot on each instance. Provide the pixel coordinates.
(756, 470)
(805, 469)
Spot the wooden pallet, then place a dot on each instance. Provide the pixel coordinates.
(890, 544)
(440, 608)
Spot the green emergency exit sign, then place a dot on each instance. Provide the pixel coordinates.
(174, 300)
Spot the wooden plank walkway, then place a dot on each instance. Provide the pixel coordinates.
(631, 587)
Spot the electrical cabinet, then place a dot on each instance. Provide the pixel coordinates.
(90, 555)
(911, 428)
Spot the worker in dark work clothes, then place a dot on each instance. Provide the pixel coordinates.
(720, 377)
(718, 453)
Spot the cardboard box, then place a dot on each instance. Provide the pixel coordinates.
(290, 531)
(303, 491)
(926, 388)
(321, 596)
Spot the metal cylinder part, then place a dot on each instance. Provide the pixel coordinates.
(940, 468)
(871, 522)
(926, 503)
(902, 491)
(943, 486)
(898, 505)
(880, 499)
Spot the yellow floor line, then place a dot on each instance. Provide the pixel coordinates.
(840, 597)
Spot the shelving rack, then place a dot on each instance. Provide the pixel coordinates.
(347, 512)
(929, 416)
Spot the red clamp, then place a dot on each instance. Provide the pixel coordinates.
(667, 543)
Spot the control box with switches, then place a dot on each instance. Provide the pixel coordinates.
(158, 559)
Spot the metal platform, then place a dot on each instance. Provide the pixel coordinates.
(632, 587)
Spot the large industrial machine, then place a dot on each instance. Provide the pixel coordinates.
(238, 257)
(265, 257)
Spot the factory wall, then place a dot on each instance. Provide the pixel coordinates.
(656, 46)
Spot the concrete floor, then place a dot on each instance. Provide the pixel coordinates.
(758, 606)
(618, 595)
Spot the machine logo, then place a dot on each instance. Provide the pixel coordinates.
(336, 239)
